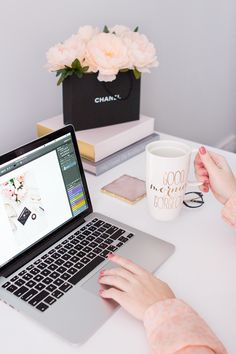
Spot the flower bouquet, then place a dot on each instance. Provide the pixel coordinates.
(109, 65)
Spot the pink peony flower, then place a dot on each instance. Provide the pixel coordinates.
(86, 33)
(119, 30)
(107, 53)
(63, 54)
(141, 52)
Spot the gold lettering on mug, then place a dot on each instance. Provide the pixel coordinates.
(170, 193)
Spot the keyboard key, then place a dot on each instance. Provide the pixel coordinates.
(99, 223)
(85, 260)
(123, 239)
(77, 232)
(112, 248)
(49, 260)
(22, 273)
(117, 234)
(72, 270)
(42, 307)
(78, 247)
(51, 251)
(85, 270)
(81, 254)
(35, 271)
(45, 272)
(57, 294)
(27, 276)
(42, 266)
(44, 256)
(101, 229)
(52, 267)
(119, 244)
(14, 278)
(40, 286)
(94, 220)
(65, 242)
(106, 225)
(27, 296)
(83, 228)
(68, 246)
(47, 280)
(103, 254)
(74, 259)
(65, 276)
(30, 267)
(105, 236)
(87, 249)
(65, 257)
(50, 300)
(21, 291)
(92, 228)
(38, 278)
(38, 298)
(130, 235)
(99, 240)
(62, 269)
(109, 241)
(71, 237)
(86, 233)
(59, 262)
(96, 233)
(97, 250)
(30, 283)
(93, 244)
(65, 287)
(58, 247)
(68, 264)
(81, 237)
(6, 284)
(84, 242)
(91, 255)
(62, 250)
(12, 288)
(56, 255)
(20, 282)
(51, 287)
(79, 265)
(72, 252)
(37, 262)
(103, 245)
(75, 242)
(54, 275)
(111, 230)
(90, 238)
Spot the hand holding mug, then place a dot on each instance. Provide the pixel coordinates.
(214, 171)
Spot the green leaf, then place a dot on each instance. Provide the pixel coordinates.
(105, 29)
(137, 74)
(79, 74)
(136, 29)
(60, 79)
(85, 68)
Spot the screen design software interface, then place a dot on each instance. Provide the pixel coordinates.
(39, 191)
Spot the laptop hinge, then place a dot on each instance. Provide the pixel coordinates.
(38, 248)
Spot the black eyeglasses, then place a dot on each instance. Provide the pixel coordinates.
(193, 199)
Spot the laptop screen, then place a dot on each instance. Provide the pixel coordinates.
(39, 192)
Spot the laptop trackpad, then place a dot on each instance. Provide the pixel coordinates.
(92, 285)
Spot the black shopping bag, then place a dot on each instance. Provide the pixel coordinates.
(89, 103)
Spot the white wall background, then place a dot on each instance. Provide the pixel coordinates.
(192, 94)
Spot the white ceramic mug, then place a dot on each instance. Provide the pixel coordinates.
(167, 169)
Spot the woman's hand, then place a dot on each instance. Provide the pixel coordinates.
(132, 287)
(215, 173)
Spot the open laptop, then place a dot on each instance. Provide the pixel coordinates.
(52, 244)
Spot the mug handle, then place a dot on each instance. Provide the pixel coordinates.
(192, 183)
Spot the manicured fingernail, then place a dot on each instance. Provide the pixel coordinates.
(101, 291)
(110, 255)
(202, 150)
(101, 274)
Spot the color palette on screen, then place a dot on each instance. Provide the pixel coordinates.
(77, 200)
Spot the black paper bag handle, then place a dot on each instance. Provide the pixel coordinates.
(113, 95)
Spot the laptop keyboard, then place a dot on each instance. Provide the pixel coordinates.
(47, 279)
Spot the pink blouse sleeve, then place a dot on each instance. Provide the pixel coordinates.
(174, 327)
(229, 211)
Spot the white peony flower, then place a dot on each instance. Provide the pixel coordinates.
(119, 30)
(141, 52)
(87, 32)
(63, 54)
(108, 54)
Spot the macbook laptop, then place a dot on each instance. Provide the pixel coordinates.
(52, 243)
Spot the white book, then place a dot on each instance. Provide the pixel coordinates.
(97, 168)
(98, 143)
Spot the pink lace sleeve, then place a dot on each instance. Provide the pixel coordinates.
(229, 211)
(174, 327)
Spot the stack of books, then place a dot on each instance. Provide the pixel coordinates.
(104, 148)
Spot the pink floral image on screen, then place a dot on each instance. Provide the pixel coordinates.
(14, 188)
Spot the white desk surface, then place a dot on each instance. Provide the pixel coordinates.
(202, 272)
